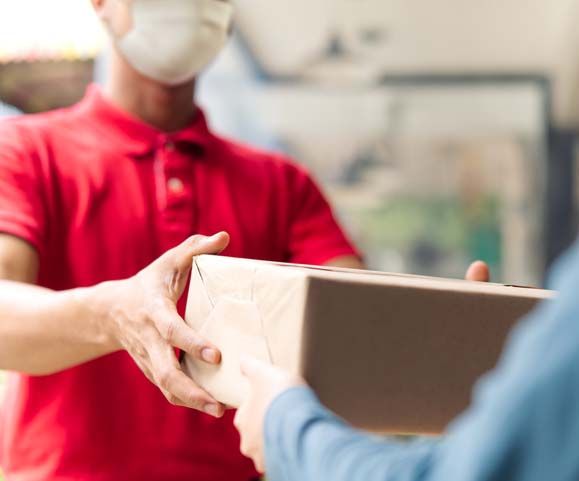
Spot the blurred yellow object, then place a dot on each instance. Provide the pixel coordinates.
(39, 30)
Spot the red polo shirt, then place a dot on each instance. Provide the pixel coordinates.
(101, 195)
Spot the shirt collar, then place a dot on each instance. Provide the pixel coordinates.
(137, 138)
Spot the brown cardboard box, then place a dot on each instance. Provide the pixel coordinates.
(387, 352)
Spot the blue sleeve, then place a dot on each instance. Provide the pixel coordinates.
(305, 442)
(523, 424)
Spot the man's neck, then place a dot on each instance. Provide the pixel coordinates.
(167, 108)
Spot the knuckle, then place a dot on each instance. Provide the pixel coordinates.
(194, 344)
(196, 239)
(143, 317)
(164, 379)
(174, 400)
(156, 306)
(139, 352)
(244, 448)
(237, 422)
(197, 400)
(196, 406)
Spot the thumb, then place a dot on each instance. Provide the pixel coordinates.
(182, 255)
(174, 266)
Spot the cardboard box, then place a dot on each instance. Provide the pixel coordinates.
(387, 352)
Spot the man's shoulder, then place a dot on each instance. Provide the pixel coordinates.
(250, 159)
(36, 127)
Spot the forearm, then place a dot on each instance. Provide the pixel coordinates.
(306, 442)
(347, 262)
(42, 331)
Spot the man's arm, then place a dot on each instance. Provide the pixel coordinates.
(43, 332)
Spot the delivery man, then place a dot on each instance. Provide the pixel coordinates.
(95, 193)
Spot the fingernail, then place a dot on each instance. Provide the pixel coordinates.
(210, 355)
(212, 410)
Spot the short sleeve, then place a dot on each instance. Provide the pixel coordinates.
(316, 237)
(21, 205)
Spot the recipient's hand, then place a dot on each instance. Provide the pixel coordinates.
(266, 383)
(143, 321)
(478, 271)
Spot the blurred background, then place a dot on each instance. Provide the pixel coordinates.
(442, 132)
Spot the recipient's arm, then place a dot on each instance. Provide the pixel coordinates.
(523, 424)
(305, 442)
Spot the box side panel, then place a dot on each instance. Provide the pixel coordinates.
(402, 360)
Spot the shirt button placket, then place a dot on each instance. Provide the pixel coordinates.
(177, 214)
(175, 186)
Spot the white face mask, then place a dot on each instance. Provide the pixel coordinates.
(172, 41)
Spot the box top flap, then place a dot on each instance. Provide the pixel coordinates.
(375, 277)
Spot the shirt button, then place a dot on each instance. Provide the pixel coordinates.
(175, 185)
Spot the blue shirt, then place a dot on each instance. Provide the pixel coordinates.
(523, 424)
